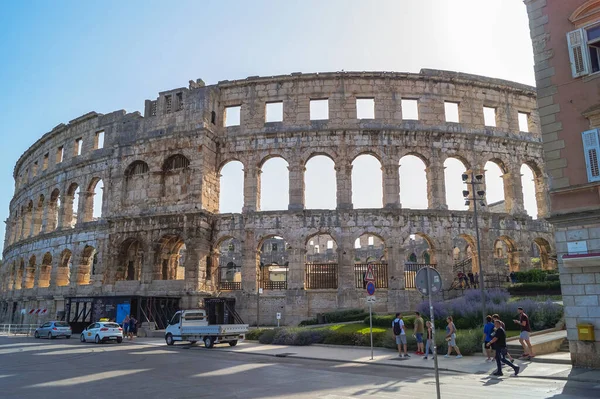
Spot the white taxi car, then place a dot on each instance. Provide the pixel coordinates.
(102, 332)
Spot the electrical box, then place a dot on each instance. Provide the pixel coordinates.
(585, 332)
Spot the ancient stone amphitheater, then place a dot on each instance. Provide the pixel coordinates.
(160, 242)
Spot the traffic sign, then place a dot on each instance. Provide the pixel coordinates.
(278, 316)
(434, 277)
(370, 276)
(371, 299)
(370, 288)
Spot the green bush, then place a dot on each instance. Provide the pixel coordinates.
(338, 316)
(254, 334)
(532, 276)
(385, 321)
(267, 336)
(535, 288)
(552, 277)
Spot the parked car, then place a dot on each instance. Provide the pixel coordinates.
(102, 332)
(53, 329)
(193, 326)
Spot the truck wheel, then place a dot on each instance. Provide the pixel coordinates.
(233, 343)
(169, 339)
(208, 342)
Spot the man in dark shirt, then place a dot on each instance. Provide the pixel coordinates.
(523, 322)
(498, 343)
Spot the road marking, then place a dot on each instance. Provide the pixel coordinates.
(233, 369)
(87, 378)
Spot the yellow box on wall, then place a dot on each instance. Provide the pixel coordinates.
(585, 332)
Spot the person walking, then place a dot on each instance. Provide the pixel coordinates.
(126, 326)
(132, 326)
(523, 322)
(488, 330)
(471, 279)
(429, 342)
(451, 338)
(498, 343)
(418, 331)
(495, 317)
(400, 333)
(476, 279)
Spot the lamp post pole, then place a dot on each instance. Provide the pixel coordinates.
(475, 198)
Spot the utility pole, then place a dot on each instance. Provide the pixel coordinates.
(476, 195)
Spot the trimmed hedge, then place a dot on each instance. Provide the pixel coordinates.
(338, 316)
(546, 287)
(386, 320)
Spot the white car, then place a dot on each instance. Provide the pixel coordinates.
(102, 332)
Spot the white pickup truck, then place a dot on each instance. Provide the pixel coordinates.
(192, 326)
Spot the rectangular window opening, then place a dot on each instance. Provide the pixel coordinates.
(35, 168)
(410, 109)
(60, 152)
(232, 115)
(78, 145)
(168, 104)
(365, 108)
(99, 142)
(371, 241)
(489, 116)
(319, 109)
(451, 111)
(179, 101)
(523, 122)
(329, 244)
(274, 112)
(45, 163)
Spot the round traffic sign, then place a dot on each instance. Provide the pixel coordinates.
(370, 288)
(434, 278)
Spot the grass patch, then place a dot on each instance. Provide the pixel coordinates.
(357, 328)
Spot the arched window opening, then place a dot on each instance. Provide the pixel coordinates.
(172, 251)
(506, 260)
(372, 251)
(367, 182)
(274, 185)
(84, 271)
(529, 198)
(412, 258)
(63, 275)
(136, 182)
(419, 253)
(542, 256)
(130, 261)
(176, 162)
(321, 262)
(53, 207)
(176, 177)
(273, 264)
(453, 171)
(28, 214)
(96, 195)
(413, 183)
(465, 260)
(38, 214)
(229, 275)
(456, 254)
(70, 206)
(19, 276)
(320, 183)
(494, 187)
(30, 273)
(231, 192)
(45, 271)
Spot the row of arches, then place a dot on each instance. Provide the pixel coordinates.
(49, 212)
(368, 183)
(40, 271)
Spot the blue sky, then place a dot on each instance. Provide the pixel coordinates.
(63, 59)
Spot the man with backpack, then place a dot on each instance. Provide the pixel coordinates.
(400, 334)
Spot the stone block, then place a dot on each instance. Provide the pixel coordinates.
(584, 278)
(586, 300)
(576, 311)
(573, 289)
(577, 235)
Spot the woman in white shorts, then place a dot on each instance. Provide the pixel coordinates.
(451, 338)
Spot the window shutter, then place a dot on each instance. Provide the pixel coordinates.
(578, 53)
(591, 149)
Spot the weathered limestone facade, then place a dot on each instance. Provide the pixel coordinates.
(160, 233)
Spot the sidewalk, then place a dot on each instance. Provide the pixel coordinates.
(382, 356)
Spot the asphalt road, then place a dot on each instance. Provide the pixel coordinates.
(61, 368)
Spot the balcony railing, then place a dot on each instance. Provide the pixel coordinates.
(410, 272)
(380, 270)
(321, 276)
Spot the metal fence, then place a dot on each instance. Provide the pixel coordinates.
(380, 271)
(18, 329)
(321, 276)
(410, 273)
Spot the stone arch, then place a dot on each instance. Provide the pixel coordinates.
(130, 260)
(137, 179)
(20, 272)
(94, 200)
(84, 269)
(273, 262)
(63, 275)
(413, 181)
(228, 251)
(38, 214)
(176, 177)
(53, 208)
(547, 258)
(367, 181)
(508, 259)
(45, 271)
(465, 246)
(30, 272)
(321, 247)
(320, 182)
(231, 186)
(369, 245)
(171, 258)
(273, 183)
(495, 191)
(538, 195)
(27, 216)
(419, 244)
(71, 205)
(454, 167)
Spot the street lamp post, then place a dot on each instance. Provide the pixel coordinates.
(476, 195)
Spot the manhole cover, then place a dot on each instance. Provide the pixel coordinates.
(284, 354)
